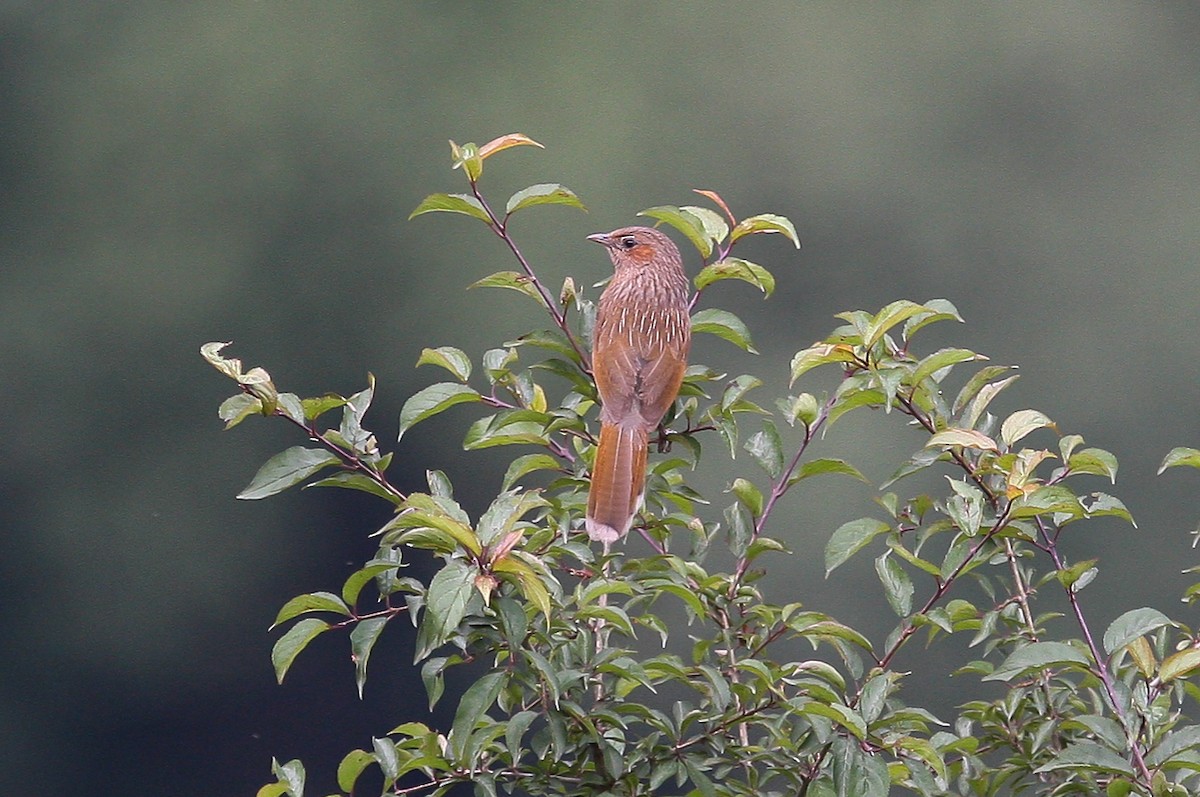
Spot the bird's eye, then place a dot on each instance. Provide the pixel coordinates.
(628, 242)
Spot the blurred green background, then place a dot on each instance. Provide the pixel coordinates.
(177, 173)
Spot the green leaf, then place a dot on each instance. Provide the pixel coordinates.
(1086, 754)
(765, 223)
(1095, 461)
(238, 408)
(362, 640)
(1179, 664)
(516, 727)
(714, 224)
(451, 532)
(389, 761)
(888, 317)
(295, 640)
(452, 203)
(845, 716)
(849, 539)
(1180, 456)
(986, 393)
(450, 591)
(750, 496)
(725, 325)
(530, 579)
(511, 280)
(352, 765)
(1105, 505)
(939, 360)
(734, 268)
(432, 400)
(360, 578)
(355, 481)
(475, 702)
(286, 469)
(967, 438)
(316, 407)
(542, 194)
(1173, 744)
(971, 389)
(1021, 423)
(505, 429)
(938, 310)
(825, 465)
(1131, 625)
(897, 586)
(767, 449)
(1036, 657)
(687, 223)
(528, 463)
(502, 515)
(312, 602)
(291, 775)
(453, 360)
(820, 354)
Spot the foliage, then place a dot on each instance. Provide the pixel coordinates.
(591, 689)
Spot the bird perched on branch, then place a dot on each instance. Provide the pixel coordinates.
(639, 354)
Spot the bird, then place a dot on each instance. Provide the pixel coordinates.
(640, 345)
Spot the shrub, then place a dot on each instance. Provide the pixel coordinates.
(591, 690)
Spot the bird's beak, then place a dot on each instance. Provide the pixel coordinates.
(599, 237)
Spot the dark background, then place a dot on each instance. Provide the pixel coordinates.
(172, 174)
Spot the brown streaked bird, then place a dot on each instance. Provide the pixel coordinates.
(639, 353)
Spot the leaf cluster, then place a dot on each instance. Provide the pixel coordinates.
(663, 668)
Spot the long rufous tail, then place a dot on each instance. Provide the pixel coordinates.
(618, 480)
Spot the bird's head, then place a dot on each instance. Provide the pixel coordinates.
(638, 247)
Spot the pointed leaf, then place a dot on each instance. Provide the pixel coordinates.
(1131, 625)
(1179, 664)
(1095, 461)
(897, 586)
(295, 640)
(725, 325)
(504, 142)
(687, 223)
(528, 463)
(888, 317)
(967, 438)
(850, 538)
(542, 194)
(1086, 754)
(714, 226)
(1021, 423)
(765, 223)
(767, 449)
(432, 400)
(286, 469)
(1180, 456)
(737, 269)
(820, 354)
(825, 465)
(511, 280)
(1036, 657)
(452, 203)
(362, 640)
(453, 360)
(943, 358)
(716, 198)
(475, 702)
(450, 590)
(313, 602)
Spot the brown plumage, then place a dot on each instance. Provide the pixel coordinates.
(639, 353)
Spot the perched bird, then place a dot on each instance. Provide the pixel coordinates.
(639, 353)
